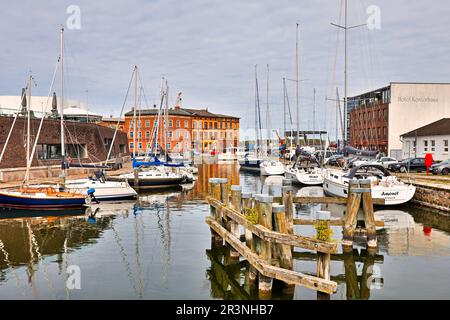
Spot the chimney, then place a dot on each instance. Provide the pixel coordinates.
(178, 101)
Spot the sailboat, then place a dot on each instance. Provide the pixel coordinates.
(51, 197)
(305, 171)
(104, 190)
(384, 186)
(252, 161)
(153, 174)
(270, 166)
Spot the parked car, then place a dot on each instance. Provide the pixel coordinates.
(385, 161)
(441, 168)
(409, 165)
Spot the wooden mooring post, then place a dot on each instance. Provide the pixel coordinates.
(287, 190)
(264, 248)
(359, 191)
(232, 226)
(215, 193)
(323, 232)
(248, 208)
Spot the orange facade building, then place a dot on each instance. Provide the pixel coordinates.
(189, 130)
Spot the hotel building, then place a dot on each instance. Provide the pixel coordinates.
(378, 118)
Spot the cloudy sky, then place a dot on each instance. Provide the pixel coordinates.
(208, 49)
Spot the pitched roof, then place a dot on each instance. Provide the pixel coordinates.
(438, 128)
(154, 111)
(182, 112)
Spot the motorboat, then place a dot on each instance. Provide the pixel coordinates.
(384, 186)
(305, 171)
(271, 168)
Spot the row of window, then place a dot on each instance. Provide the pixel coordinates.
(213, 125)
(196, 135)
(148, 123)
(368, 116)
(430, 145)
(178, 145)
(371, 133)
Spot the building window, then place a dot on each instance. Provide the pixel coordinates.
(139, 124)
(425, 143)
(186, 124)
(140, 135)
(433, 145)
(446, 146)
(170, 123)
(168, 145)
(147, 123)
(140, 145)
(131, 145)
(147, 135)
(178, 123)
(131, 134)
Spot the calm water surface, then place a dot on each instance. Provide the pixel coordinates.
(159, 247)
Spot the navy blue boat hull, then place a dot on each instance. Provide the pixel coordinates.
(35, 203)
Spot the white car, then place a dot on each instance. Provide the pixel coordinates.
(385, 161)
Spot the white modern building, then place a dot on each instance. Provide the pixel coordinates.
(379, 118)
(433, 138)
(73, 109)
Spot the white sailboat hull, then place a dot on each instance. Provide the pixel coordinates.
(392, 194)
(303, 177)
(108, 190)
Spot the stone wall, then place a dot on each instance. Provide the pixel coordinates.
(437, 198)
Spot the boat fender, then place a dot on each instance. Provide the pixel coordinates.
(90, 191)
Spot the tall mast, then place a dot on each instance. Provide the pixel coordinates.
(314, 117)
(134, 111)
(258, 107)
(28, 130)
(256, 110)
(346, 75)
(267, 113)
(63, 147)
(166, 120)
(297, 84)
(284, 108)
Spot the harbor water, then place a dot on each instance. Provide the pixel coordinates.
(159, 247)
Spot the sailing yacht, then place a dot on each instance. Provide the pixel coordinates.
(270, 167)
(305, 171)
(51, 197)
(384, 186)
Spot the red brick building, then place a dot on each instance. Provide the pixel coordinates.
(85, 142)
(188, 130)
(368, 121)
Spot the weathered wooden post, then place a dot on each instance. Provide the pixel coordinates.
(369, 217)
(288, 203)
(283, 251)
(263, 248)
(136, 178)
(353, 204)
(232, 226)
(214, 192)
(224, 191)
(324, 233)
(248, 208)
